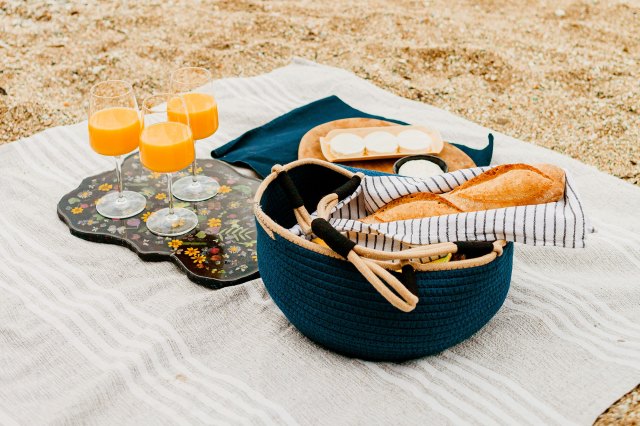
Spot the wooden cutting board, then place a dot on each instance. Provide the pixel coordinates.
(310, 146)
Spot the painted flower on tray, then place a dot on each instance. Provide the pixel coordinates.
(203, 212)
(234, 249)
(119, 229)
(234, 205)
(85, 194)
(224, 189)
(192, 251)
(198, 170)
(105, 187)
(154, 175)
(77, 210)
(214, 222)
(199, 259)
(199, 265)
(145, 216)
(161, 196)
(174, 244)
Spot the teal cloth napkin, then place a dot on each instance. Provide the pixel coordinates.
(277, 141)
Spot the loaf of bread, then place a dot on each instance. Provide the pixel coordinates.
(413, 206)
(508, 185)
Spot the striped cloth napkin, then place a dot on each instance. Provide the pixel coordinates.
(562, 223)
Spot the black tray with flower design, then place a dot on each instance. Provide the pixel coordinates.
(220, 252)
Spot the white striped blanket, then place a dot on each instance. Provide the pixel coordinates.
(562, 223)
(90, 334)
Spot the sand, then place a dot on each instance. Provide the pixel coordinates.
(558, 74)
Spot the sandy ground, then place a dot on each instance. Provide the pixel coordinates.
(559, 74)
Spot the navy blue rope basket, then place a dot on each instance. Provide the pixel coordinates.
(327, 298)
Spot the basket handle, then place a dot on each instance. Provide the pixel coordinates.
(381, 279)
(297, 202)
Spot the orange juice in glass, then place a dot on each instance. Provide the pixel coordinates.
(203, 114)
(114, 129)
(166, 147)
(202, 111)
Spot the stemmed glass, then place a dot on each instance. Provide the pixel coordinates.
(114, 130)
(166, 146)
(203, 118)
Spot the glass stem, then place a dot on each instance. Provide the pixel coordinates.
(119, 176)
(193, 170)
(169, 183)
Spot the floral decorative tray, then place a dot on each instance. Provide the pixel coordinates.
(220, 252)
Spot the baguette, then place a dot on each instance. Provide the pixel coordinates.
(508, 185)
(413, 206)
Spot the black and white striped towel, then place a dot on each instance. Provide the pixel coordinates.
(562, 223)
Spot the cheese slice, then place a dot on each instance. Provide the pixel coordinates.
(381, 143)
(347, 145)
(414, 142)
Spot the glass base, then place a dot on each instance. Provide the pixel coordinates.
(171, 225)
(113, 206)
(203, 188)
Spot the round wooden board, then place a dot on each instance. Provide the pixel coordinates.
(310, 146)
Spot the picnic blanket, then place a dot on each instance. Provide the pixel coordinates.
(89, 333)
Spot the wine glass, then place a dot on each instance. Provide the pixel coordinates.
(203, 120)
(114, 130)
(167, 146)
